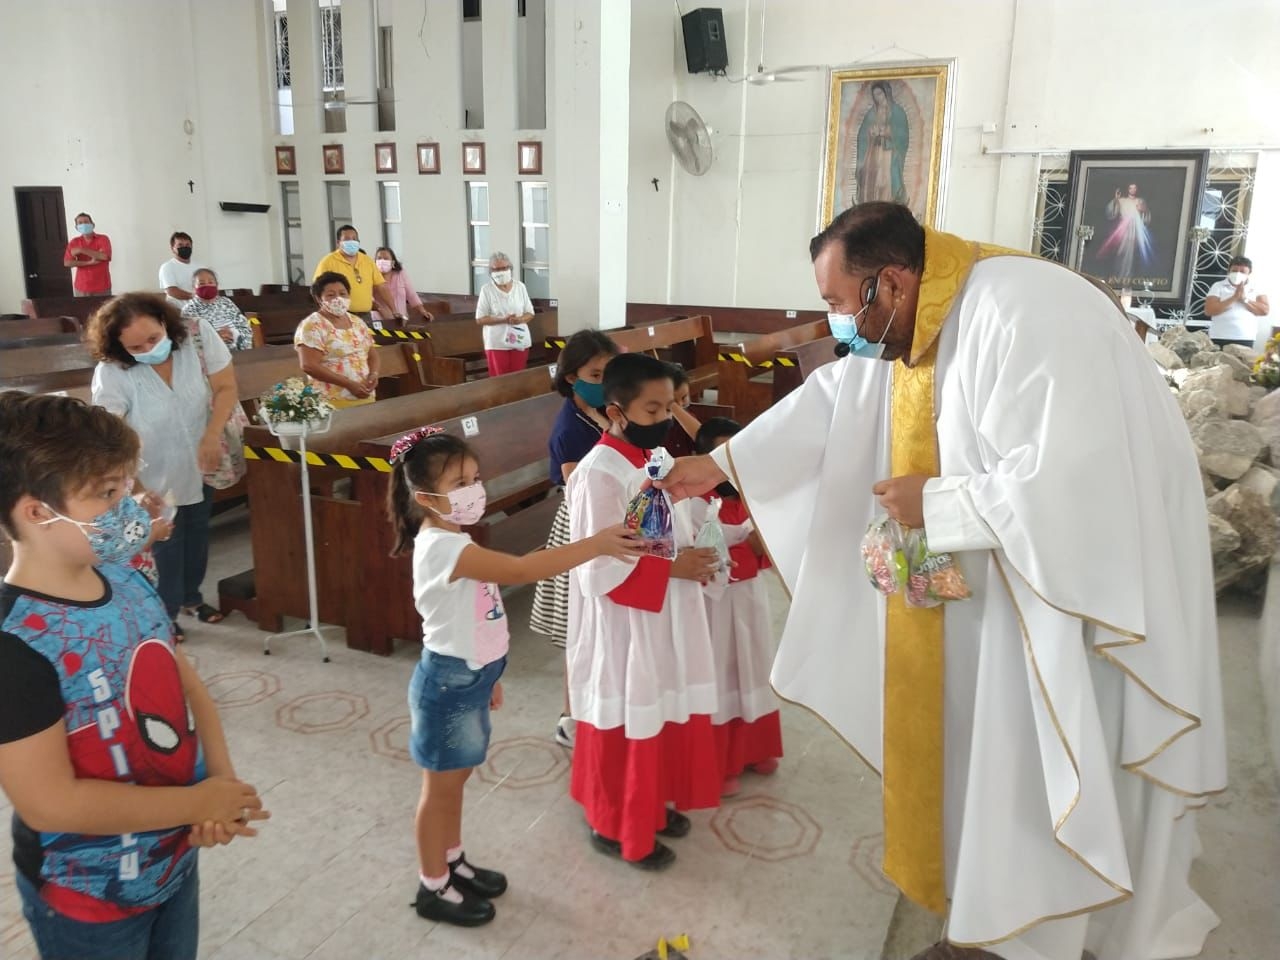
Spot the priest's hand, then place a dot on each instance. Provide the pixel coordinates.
(691, 477)
(903, 499)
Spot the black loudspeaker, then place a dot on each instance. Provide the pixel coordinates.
(704, 45)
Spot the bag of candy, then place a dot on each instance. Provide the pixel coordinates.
(933, 578)
(711, 537)
(884, 556)
(899, 559)
(649, 512)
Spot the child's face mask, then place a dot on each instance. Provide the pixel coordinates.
(115, 535)
(466, 504)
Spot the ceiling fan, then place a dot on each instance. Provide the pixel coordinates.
(762, 76)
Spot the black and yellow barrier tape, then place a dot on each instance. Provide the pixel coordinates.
(762, 365)
(341, 460)
(553, 343)
(401, 334)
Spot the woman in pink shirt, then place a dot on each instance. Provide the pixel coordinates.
(399, 286)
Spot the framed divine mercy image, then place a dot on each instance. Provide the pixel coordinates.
(888, 137)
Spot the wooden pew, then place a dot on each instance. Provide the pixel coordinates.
(510, 442)
(795, 364)
(462, 339)
(79, 307)
(746, 374)
(737, 320)
(278, 314)
(26, 327)
(276, 514)
(687, 340)
(48, 340)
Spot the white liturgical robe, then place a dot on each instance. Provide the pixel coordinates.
(1083, 711)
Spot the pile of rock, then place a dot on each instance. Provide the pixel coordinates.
(1235, 425)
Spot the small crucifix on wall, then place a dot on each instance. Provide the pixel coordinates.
(191, 186)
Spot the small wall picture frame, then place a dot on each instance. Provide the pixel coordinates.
(384, 158)
(529, 156)
(473, 157)
(429, 157)
(286, 162)
(334, 161)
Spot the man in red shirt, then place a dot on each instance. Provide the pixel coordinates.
(90, 254)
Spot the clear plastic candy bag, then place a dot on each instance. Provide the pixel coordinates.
(898, 559)
(649, 512)
(711, 537)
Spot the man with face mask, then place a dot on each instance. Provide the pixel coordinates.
(363, 276)
(89, 254)
(1044, 743)
(1234, 305)
(176, 273)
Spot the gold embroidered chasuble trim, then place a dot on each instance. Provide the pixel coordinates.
(914, 667)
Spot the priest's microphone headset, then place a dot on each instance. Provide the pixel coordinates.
(843, 349)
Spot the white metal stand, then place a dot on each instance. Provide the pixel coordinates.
(313, 627)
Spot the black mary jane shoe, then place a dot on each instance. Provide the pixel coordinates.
(473, 911)
(485, 884)
(660, 858)
(678, 825)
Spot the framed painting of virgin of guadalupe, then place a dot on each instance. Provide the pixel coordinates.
(888, 137)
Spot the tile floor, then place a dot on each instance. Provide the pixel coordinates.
(786, 869)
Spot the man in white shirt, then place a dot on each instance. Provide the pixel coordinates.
(1235, 305)
(176, 274)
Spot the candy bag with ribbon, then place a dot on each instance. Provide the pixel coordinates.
(649, 512)
(711, 537)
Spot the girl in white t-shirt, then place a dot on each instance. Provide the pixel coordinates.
(436, 491)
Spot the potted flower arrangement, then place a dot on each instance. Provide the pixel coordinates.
(294, 407)
(1266, 369)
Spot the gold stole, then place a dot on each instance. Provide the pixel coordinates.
(914, 667)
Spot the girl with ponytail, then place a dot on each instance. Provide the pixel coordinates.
(435, 492)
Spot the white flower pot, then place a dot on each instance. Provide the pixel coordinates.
(290, 430)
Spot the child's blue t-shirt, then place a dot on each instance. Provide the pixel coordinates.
(108, 669)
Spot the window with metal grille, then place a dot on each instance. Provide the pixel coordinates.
(478, 221)
(283, 78)
(535, 246)
(331, 77)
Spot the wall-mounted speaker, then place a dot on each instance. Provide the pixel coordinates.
(233, 206)
(705, 50)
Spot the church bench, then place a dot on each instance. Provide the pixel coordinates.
(79, 307)
(510, 442)
(463, 339)
(278, 315)
(795, 364)
(43, 340)
(746, 373)
(686, 340)
(734, 320)
(233, 292)
(25, 327)
(275, 516)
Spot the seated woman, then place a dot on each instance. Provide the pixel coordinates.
(173, 382)
(399, 287)
(335, 347)
(223, 315)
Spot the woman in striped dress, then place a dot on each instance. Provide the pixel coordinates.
(577, 429)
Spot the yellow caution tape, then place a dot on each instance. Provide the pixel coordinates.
(553, 343)
(255, 321)
(401, 334)
(341, 460)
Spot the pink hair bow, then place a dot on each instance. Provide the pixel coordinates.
(411, 440)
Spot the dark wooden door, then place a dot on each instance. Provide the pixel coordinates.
(42, 233)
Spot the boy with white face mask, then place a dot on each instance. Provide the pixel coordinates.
(504, 310)
(1234, 305)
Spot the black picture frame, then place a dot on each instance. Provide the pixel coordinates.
(1141, 206)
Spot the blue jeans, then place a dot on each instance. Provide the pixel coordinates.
(170, 931)
(181, 561)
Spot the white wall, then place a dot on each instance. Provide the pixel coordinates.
(112, 135)
(1053, 75)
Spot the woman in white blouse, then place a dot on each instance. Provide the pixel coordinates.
(504, 310)
(152, 372)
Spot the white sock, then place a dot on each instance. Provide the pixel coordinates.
(461, 869)
(440, 887)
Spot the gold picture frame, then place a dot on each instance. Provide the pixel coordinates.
(888, 137)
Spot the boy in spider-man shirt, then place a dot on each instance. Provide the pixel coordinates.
(110, 747)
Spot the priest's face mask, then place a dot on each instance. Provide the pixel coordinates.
(867, 309)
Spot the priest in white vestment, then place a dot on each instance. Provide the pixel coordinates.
(1044, 744)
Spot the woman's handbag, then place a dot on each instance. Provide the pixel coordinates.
(231, 463)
